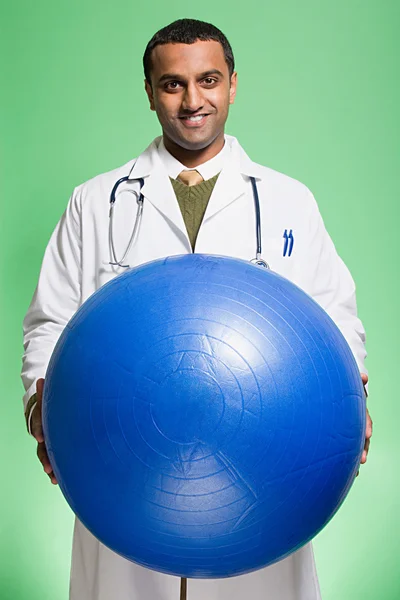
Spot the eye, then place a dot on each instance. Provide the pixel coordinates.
(209, 80)
(172, 85)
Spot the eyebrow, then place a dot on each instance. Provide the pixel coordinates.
(180, 78)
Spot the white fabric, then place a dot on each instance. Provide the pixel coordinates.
(97, 573)
(76, 264)
(207, 169)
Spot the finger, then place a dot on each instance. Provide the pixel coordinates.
(53, 478)
(39, 388)
(365, 453)
(44, 458)
(36, 425)
(36, 421)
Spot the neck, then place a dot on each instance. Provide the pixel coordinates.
(193, 158)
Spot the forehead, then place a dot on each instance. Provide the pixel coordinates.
(188, 59)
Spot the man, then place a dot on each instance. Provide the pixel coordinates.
(197, 197)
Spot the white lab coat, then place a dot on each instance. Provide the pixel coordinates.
(76, 264)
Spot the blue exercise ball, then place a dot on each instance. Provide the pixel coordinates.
(204, 416)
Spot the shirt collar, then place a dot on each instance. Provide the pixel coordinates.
(208, 169)
(149, 161)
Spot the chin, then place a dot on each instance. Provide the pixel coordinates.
(194, 146)
(194, 143)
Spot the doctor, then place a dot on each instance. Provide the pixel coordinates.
(197, 198)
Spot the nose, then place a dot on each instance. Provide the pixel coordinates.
(192, 99)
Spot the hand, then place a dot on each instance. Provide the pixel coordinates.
(37, 432)
(368, 430)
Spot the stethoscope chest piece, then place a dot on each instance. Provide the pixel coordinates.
(260, 262)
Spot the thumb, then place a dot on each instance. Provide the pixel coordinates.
(364, 379)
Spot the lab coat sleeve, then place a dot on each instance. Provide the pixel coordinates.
(327, 279)
(56, 298)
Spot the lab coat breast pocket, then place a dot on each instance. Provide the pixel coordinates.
(281, 252)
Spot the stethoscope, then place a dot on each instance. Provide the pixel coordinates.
(258, 260)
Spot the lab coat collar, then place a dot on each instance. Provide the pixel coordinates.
(230, 185)
(150, 160)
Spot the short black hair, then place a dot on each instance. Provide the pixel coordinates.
(187, 31)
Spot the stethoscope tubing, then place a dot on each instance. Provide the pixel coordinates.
(258, 260)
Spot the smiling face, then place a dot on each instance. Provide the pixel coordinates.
(191, 91)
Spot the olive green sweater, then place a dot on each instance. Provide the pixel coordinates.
(193, 202)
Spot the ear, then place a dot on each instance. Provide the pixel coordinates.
(149, 93)
(232, 90)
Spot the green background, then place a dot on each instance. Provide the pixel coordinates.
(318, 99)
